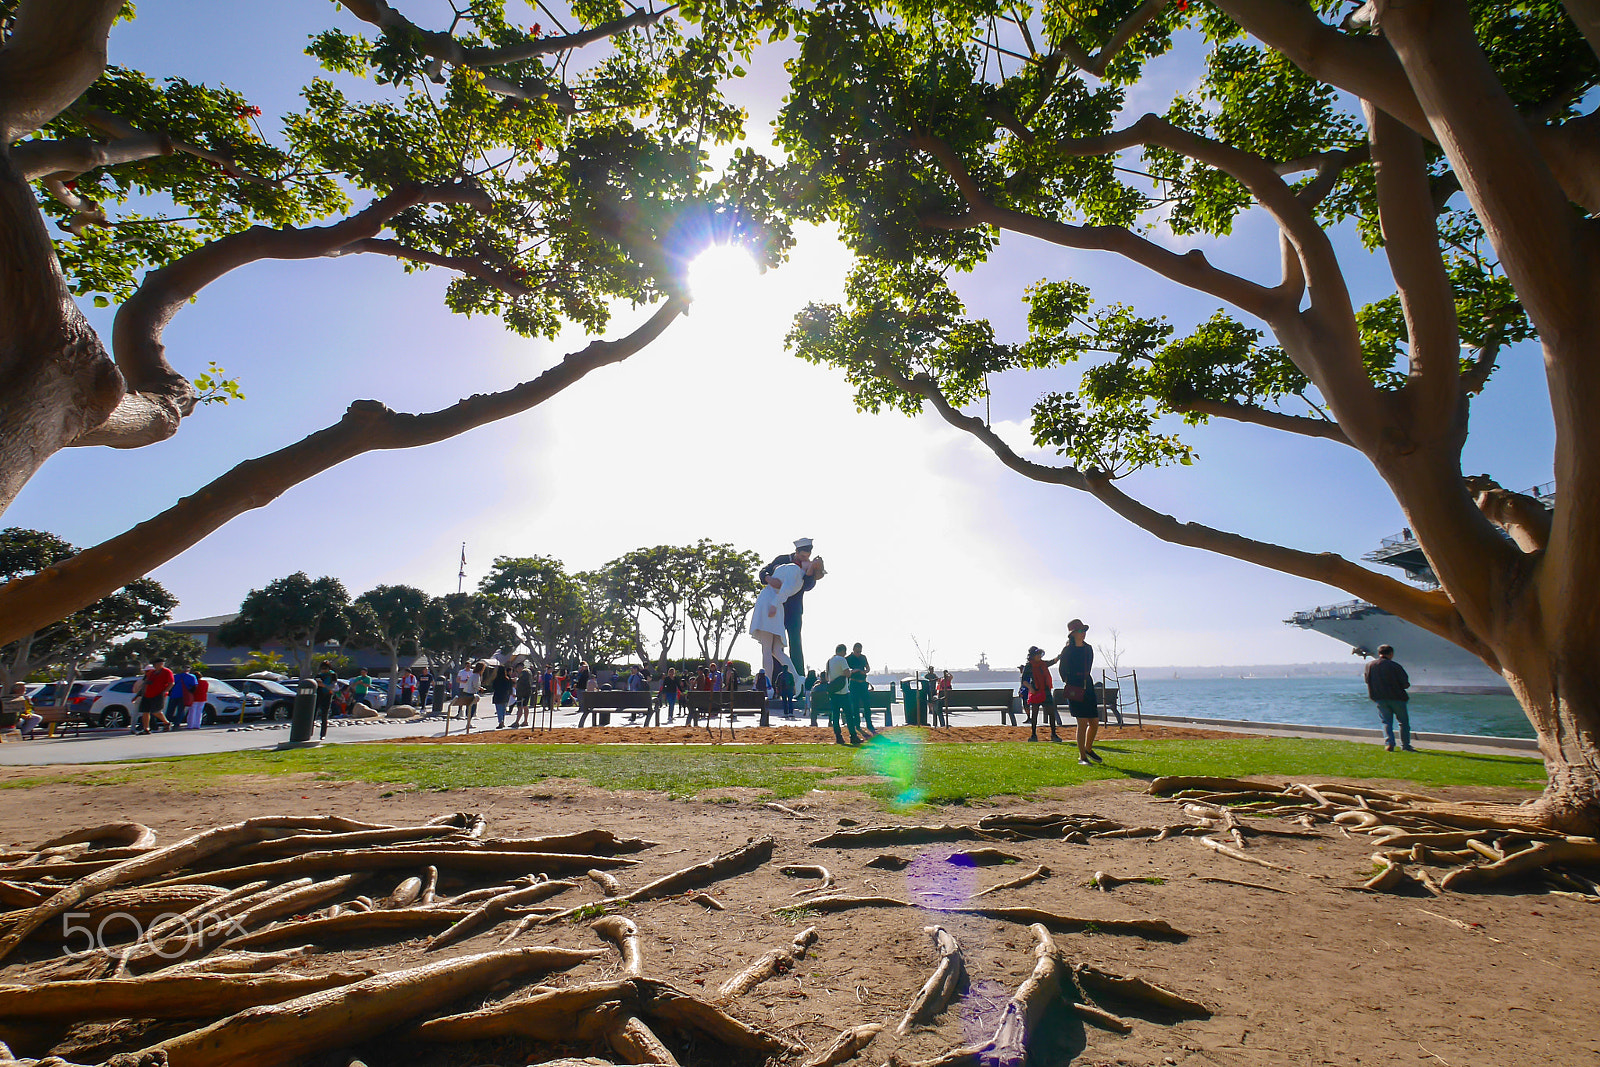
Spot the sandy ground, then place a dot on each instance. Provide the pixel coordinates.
(1314, 974)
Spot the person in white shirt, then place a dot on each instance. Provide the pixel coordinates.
(468, 681)
(838, 674)
(766, 620)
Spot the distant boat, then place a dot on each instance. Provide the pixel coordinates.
(1434, 664)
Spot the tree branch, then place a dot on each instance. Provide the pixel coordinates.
(56, 51)
(1526, 520)
(464, 264)
(1411, 243)
(1190, 269)
(1097, 63)
(1586, 15)
(120, 129)
(1476, 377)
(28, 604)
(1540, 240)
(1303, 425)
(158, 397)
(1430, 609)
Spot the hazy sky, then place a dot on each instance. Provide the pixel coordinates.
(715, 431)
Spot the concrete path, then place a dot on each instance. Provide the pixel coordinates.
(96, 746)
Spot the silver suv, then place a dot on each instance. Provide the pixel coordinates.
(115, 705)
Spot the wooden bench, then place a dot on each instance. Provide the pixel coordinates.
(698, 702)
(1106, 700)
(877, 700)
(599, 702)
(1005, 700)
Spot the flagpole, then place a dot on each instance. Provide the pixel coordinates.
(461, 575)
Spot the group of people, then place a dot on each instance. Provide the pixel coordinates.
(1076, 660)
(161, 692)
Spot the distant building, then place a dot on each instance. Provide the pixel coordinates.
(220, 655)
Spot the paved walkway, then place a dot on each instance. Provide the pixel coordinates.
(96, 746)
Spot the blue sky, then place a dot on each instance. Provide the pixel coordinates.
(716, 432)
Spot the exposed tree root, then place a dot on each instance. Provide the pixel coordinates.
(1391, 879)
(1538, 856)
(1170, 784)
(981, 857)
(281, 1033)
(1047, 824)
(635, 1042)
(621, 932)
(495, 907)
(1134, 988)
(189, 851)
(1233, 853)
(124, 834)
(244, 962)
(595, 842)
(20, 895)
(706, 900)
(352, 923)
(809, 870)
(608, 885)
(871, 836)
(1158, 929)
(1101, 1018)
(769, 965)
(473, 861)
(847, 1046)
(667, 1003)
(1034, 875)
(179, 996)
(783, 809)
(753, 852)
(546, 1015)
(948, 979)
(1247, 885)
(298, 843)
(1020, 1017)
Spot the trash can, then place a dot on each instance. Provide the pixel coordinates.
(305, 709)
(911, 690)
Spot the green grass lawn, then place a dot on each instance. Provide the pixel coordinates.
(915, 773)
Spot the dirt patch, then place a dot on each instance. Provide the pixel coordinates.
(773, 735)
(1315, 974)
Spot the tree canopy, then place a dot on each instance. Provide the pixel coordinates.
(558, 171)
(1450, 138)
(296, 611)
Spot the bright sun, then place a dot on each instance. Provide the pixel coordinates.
(725, 278)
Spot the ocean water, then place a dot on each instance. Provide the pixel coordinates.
(1331, 701)
(1317, 701)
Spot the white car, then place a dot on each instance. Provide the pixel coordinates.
(115, 705)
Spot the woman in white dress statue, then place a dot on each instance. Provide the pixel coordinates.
(766, 621)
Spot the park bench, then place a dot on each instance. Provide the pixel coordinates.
(1107, 698)
(698, 702)
(604, 701)
(1005, 700)
(50, 718)
(877, 700)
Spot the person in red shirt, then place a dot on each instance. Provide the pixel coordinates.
(1041, 694)
(153, 695)
(197, 702)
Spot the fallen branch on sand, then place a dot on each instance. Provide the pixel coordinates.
(847, 1046)
(1034, 875)
(750, 854)
(769, 965)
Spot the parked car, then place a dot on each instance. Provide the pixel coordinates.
(43, 694)
(114, 705)
(277, 699)
(377, 696)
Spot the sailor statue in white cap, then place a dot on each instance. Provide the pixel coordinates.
(793, 607)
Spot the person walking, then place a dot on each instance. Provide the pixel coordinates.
(327, 681)
(786, 691)
(524, 694)
(1041, 694)
(1077, 663)
(1387, 683)
(860, 688)
(671, 687)
(469, 680)
(580, 686)
(839, 703)
(153, 695)
(180, 696)
(197, 702)
(408, 688)
(941, 700)
(501, 691)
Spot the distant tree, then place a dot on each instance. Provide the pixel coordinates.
(296, 611)
(140, 605)
(655, 584)
(461, 626)
(338, 661)
(722, 592)
(603, 631)
(390, 619)
(543, 602)
(555, 175)
(130, 656)
(259, 661)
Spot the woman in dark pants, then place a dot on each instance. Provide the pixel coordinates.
(1077, 663)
